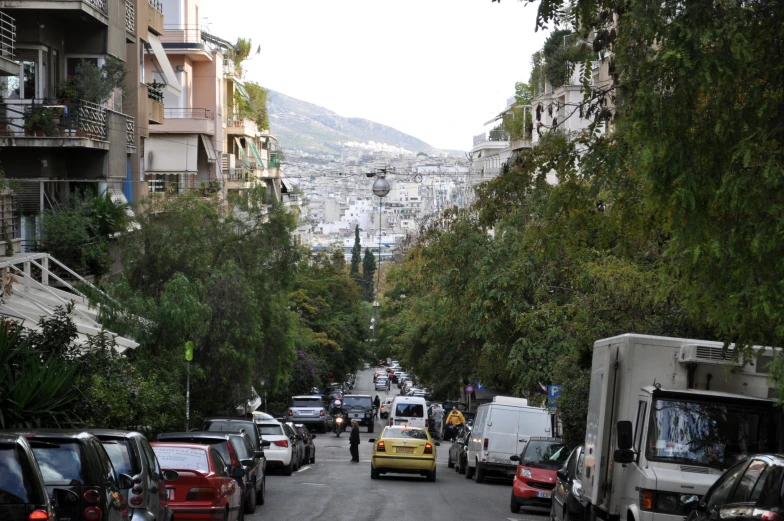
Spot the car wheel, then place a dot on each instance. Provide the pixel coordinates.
(469, 473)
(479, 474)
(514, 506)
(371, 426)
(566, 516)
(450, 464)
(241, 514)
(260, 494)
(463, 465)
(313, 457)
(250, 504)
(287, 470)
(324, 429)
(373, 473)
(431, 476)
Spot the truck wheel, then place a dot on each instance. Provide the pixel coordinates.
(288, 469)
(514, 506)
(469, 473)
(479, 474)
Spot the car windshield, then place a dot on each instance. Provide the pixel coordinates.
(270, 430)
(357, 401)
(395, 432)
(545, 453)
(306, 402)
(120, 454)
(14, 483)
(410, 410)
(61, 464)
(182, 458)
(709, 433)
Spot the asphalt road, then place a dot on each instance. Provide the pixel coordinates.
(334, 489)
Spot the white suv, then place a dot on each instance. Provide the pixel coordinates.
(278, 454)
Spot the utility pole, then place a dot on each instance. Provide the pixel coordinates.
(189, 359)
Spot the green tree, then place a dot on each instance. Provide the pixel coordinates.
(356, 254)
(368, 274)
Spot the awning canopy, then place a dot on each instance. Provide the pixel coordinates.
(166, 69)
(172, 154)
(206, 142)
(255, 151)
(241, 89)
(242, 155)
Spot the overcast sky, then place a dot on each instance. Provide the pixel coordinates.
(435, 69)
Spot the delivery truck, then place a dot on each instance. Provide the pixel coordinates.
(666, 416)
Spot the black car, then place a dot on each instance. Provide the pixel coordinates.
(359, 408)
(76, 462)
(567, 499)
(307, 439)
(254, 470)
(231, 424)
(749, 490)
(23, 494)
(458, 451)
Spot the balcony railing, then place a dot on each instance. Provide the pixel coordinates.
(155, 92)
(274, 161)
(157, 5)
(181, 34)
(7, 36)
(130, 17)
(130, 132)
(189, 114)
(493, 135)
(98, 4)
(47, 118)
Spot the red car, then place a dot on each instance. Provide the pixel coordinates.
(535, 478)
(204, 490)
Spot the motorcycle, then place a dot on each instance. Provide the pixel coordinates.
(339, 424)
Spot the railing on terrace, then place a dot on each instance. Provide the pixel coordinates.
(98, 4)
(181, 34)
(234, 119)
(130, 132)
(274, 161)
(493, 135)
(7, 36)
(157, 5)
(176, 113)
(49, 118)
(155, 92)
(130, 17)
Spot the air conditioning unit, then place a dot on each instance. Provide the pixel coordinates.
(715, 355)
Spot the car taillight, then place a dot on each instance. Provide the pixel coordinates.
(321, 413)
(381, 447)
(137, 490)
(769, 515)
(425, 424)
(200, 494)
(428, 448)
(137, 480)
(281, 443)
(486, 442)
(136, 501)
(38, 515)
(391, 421)
(92, 514)
(291, 413)
(91, 496)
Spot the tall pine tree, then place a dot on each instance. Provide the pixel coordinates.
(368, 272)
(356, 255)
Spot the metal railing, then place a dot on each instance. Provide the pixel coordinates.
(130, 132)
(234, 119)
(157, 5)
(493, 135)
(188, 113)
(130, 17)
(155, 92)
(7, 36)
(274, 161)
(98, 4)
(181, 34)
(47, 118)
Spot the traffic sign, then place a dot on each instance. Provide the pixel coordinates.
(469, 389)
(553, 392)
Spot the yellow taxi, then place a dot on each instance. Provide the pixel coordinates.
(404, 450)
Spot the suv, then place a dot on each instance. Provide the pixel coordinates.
(229, 424)
(309, 411)
(131, 454)
(359, 407)
(23, 493)
(76, 462)
(254, 470)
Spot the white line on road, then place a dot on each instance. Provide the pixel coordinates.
(315, 484)
(306, 467)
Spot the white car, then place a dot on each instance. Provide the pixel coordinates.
(278, 454)
(382, 384)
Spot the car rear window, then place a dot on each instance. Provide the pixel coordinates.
(410, 410)
(119, 452)
(15, 487)
(239, 447)
(357, 401)
(270, 430)
(224, 426)
(417, 434)
(182, 458)
(306, 402)
(61, 464)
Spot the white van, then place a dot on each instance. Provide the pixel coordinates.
(500, 430)
(410, 411)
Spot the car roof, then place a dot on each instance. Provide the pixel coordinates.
(269, 422)
(228, 419)
(300, 396)
(178, 444)
(114, 433)
(202, 435)
(10, 438)
(73, 434)
(358, 395)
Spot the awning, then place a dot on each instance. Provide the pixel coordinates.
(255, 151)
(206, 142)
(166, 69)
(241, 89)
(173, 154)
(242, 154)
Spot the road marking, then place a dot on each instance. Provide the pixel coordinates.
(315, 484)
(307, 467)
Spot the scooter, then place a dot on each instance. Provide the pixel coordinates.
(339, 424)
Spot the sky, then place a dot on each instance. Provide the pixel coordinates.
(434, 69)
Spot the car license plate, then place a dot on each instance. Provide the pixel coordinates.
(399, 422)
(545, 495)
(405, 450)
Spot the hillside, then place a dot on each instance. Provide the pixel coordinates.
(305, 126)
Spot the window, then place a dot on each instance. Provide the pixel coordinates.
(182, 458)
(571, 465)
(219, 463)
(748, 482)
(61, 464)
(410, 410)
(15, 487)
(239, 448)
(120, 454)
(306, 402)
(149, 455)
(417, 434)
(270, 430)
(721, 491)
(641, 409)
(28, 79)
(546, 453)
(107, 470)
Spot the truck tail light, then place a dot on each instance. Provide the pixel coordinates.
(381, 447)
(38, 515)
(200, 494)
(486, 443)
(281, 443)
(428, 448)
(92, 514)
(137, 490)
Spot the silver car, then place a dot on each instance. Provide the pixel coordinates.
(309, 411)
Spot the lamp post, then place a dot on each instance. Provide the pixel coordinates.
(381, 188)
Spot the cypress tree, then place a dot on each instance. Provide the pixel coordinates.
(368, 272)
(356, 255)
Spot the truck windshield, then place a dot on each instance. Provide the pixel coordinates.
(708, 433)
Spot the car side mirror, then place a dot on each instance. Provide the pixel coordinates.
(170, 475)
(514, 458)
(313, 437)
(624, 456)
(238, 473)
(64, 497)
(265, 444)
(625, 435)
(562, 474)
(247, 462)
(437, 444)
(125, 481)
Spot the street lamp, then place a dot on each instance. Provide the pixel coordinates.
(381, 188)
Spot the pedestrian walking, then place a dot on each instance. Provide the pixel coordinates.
(353, 441)
(438, 419)
(376, 406)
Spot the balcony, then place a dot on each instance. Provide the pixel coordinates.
(8, 67)
(154, 16)
(187, 121)
(236, 125)
(493, 135)
(155, 109)
(46, 123)
(184, 39)
(130, 17)
(97, 9)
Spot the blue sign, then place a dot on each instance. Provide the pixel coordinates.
(553, 392)
(480, 387)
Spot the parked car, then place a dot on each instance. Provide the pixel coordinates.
(131, 454)
(254, 470)
(359, 408)
(235, 424)
(417, 445)
(535, 477)
(458, 451)
(748, 491)
(205, 490)
(23, 495)
(382, 384)
(568, 503)
(77, 462)
(297, 444)
(307, 439)
(308, 410)
(280, 452)
(386, 405)
(261, 416)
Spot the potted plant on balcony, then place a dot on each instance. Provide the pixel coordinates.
(39, 121)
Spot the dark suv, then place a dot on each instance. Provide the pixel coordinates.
(359, 407)
(229, 424)
(23, 493)
(77, 462)
(131, 454)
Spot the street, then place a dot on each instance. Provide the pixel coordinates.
(333, 488)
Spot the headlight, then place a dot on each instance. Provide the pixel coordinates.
(525, 473)
(667, 502)
(577, 490)
(367, 414)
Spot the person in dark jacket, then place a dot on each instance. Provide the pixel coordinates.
(353, 441)
(376, 406)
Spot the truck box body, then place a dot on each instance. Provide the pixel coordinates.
(694, 412)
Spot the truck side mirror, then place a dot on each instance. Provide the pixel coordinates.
(625, 435)
(624, 456)
(562, 474)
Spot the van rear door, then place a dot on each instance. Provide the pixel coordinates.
(532, 422)
(501, 434)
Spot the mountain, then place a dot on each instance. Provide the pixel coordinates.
(304, 126)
